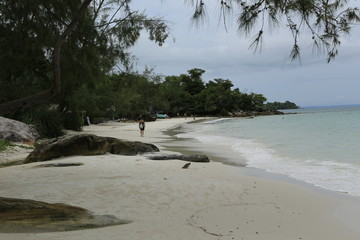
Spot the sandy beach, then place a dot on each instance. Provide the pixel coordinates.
(163, 201)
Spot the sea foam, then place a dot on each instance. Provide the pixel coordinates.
(331, 175)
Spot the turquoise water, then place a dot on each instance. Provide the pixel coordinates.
(316, 145)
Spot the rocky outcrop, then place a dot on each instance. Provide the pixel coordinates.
(255, 113)
(86, 144)
(189, 158)
(16, 131)
(23, 216)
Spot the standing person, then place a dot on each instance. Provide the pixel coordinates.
(142, 127)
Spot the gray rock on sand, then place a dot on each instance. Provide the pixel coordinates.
(188, 158)
(187, 165)
(15, 131)
(59, 165)
(24, 216)
(85, 145)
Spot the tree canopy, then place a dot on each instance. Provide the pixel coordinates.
(135, 94)
(325, 21)
(93, 37)
(281, 105)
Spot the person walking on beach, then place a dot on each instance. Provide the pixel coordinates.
(142, 127)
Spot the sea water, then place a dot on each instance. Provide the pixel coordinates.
(320, 146)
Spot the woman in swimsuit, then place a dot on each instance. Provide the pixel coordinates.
(142, 127)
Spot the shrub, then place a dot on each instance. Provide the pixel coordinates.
(4, 144)
(46, 120)
(73, 121)
(49, 124)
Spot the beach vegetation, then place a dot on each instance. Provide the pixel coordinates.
(4, 144)
(63, 61)
(186, 93)
(280, 105)
(46, 119)
(82, 40)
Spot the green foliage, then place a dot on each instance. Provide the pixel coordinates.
(134, 94)
(4, 144)
(280, 105)
(127, 95)
(99, 42)
(46, 119)
(174, 93)
(49, 124)
(73, 121)
(26, 36)
(217, 97)
(192, 82)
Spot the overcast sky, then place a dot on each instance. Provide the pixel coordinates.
(226, 55)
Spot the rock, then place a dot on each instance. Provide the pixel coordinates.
(15, 131)
(24, 216)
(252, 114)
(189, 158)
(187, 165)
(59, 165)
(86, 144)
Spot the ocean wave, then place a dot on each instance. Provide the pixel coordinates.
(217, 121)
(331, 175)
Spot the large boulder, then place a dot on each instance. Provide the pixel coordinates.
(23, 216)
(86, 144)
(16, 131)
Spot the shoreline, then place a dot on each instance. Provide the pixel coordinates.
(250, 171)
(207, 201)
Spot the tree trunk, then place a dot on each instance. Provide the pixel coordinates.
(30, 101)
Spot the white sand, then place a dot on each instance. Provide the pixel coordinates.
(166, 202)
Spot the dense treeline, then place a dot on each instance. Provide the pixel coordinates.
(280, 105)
(128, 95)
(135, 94)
